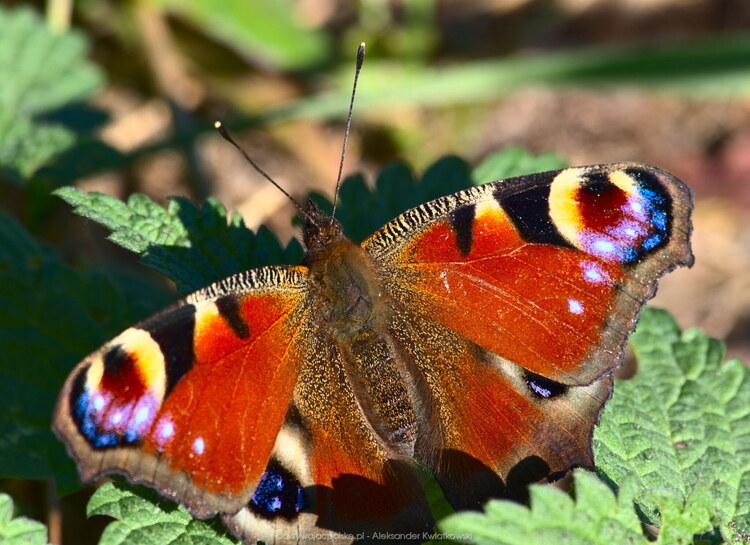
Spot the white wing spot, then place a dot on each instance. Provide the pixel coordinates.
(199, 446)
(575, 306)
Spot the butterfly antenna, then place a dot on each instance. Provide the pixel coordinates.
(360, 61)
(225, 134)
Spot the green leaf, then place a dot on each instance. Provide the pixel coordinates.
(514, 162)
(21, 530)
(50, 318)
(136, 225)
(595, 517)
(194, 246)
(40, 71)
(363, 210)
(262, 28)
(142, 517)
(26, 146)
(681, 426)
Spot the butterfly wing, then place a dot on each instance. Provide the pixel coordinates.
(513, 301)
(489, 427)
(191, 400)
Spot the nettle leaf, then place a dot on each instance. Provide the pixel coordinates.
(136, 224)
(25, 145)
(142, 517)
(195, 246)
(218, 246)
(596, 516)
(682, 426)
(41, 71)
(20, 530)
(192, 245)
(363, 210)
(50, 318)
(593, 516)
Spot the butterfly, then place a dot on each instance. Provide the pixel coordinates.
(474, 335)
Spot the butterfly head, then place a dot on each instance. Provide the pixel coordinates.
(319, 230)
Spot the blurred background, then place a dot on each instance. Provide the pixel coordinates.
(120, 97)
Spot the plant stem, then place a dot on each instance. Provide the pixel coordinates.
(59, 14)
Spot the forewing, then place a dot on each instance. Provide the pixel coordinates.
(548, 270)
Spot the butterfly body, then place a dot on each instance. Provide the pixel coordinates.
(475, 334)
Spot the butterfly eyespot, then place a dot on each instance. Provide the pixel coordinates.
(278, 494)
(543, 387)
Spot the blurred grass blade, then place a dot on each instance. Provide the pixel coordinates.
(263, 29)
(711, 68)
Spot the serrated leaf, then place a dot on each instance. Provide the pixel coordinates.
(363, 210)
(50, 317)
(40, 71)
(263, 28)
(682, 425)
(514, 162)
(136, 225)
(194, 246)
(596, 516)
(217, 247)
(25, 146)
(20, 530)
(142, 517)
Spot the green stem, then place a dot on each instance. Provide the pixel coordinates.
(59, 14)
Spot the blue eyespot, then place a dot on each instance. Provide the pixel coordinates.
(278, 494)
(88, 426)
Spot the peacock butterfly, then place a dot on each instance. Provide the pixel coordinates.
(476, 333)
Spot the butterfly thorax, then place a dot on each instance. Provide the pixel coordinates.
(341, 276)
(342, 280)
